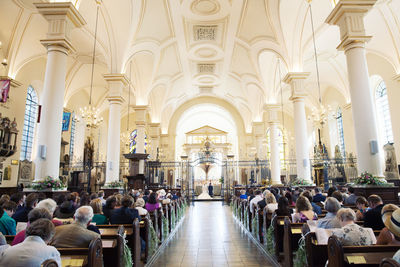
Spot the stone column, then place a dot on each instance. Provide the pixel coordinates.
(140, 117)
(296, 80)
(61, 18)
(349, 16)
(273, 120)
(116, 84)
(155, 132)
(259, 133)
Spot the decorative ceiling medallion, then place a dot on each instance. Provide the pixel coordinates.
(206, 52)
(205, 7)
(205, 32)
(205, 68)
(205, 89)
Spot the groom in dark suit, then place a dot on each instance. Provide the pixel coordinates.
(210, 189)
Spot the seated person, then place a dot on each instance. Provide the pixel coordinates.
(258, 197)
(50, 205)
(125, 214)
(271, 203)
(330, 220)
(304, 211)
(34, 250)
(338, 195)
(111, 202)
(3, 243)
(34, 215)
(317, 209)
(362, 208)
(262, 203)
(76, 234)
(390, 235)
(98, 217)
(65, 211)
(139, 204)
(7, 224)
(318, 197)
(21, 215)
(331, 190)
(10, 207)
(18, 198)
(351, 234)
(351, 199)
(283, 207)
(373, 218)
(152, 204)
(243, 194)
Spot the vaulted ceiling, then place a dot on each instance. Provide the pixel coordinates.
(177, 50)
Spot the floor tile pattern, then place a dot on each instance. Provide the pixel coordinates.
(209, 236)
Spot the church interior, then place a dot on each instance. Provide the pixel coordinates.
(200, 132)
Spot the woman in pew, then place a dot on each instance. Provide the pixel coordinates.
(283, 207)
(362, 208)
(98, 217)
(125, 214)
(152, 204)
(330, 220)
(289, 197)
(7, 224)
(34, 250)
(108, 208)
(139, 204)
(351, 234)
(304, 211)
(390, 235)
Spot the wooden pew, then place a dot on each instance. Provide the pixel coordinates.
(50, 263)
(93, 255)
(389, 262)
(291, 237)
(278, 224)
(145, 234)
(261, 231)
(339, 256)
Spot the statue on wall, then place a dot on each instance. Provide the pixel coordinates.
(391, 169)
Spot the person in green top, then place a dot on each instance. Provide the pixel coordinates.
(7, 224)
(98, 217)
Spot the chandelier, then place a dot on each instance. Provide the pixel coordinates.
(90, 113)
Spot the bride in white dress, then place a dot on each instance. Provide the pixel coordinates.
(204, 194)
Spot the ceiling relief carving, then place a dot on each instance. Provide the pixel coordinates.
(205, 32)
(205, 7)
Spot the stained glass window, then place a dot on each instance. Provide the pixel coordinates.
(339, 123)
(383, 114)
(72, 140)
(133, 142)
(31, 110)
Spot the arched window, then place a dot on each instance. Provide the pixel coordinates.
(339, 123)
(281, 145)
(31, 109)
(383, 114)
(133, 142)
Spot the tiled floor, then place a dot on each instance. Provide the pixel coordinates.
(209, 236)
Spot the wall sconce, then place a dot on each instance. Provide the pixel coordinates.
(4, 62)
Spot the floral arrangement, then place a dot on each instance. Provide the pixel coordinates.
(115, 184)
(367, 178)
(49, 183)
(300, 181)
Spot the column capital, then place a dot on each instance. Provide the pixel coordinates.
(272, 112)
(62, 18)
(116, 83)
(115, 99)
(155, 130)
(140, 114)
(116, 78)
(349, 16)
(296, 81)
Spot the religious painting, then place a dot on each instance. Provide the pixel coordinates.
(4, 90)
(7, 173)
(65, 121)
(133, 142)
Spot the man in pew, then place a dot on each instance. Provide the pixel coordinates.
(21, 215)
(318, 197)
(125, 214)
(351, 199)
(257, 198)
(34, 250)
(76, 234)
(372, 218)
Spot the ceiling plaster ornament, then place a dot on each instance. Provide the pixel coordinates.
(206, 68)
(205, 7)
(206, 52)
(205, 32)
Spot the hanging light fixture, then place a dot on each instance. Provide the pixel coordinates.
(126, 136)
(319, 114)
(90, 113)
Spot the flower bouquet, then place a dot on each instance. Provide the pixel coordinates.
(115, 184)
(49, 183)
(367, 178)
(301, 182)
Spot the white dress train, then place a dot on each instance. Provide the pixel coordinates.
(204, 194)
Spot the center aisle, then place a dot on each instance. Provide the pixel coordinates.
(209, 236)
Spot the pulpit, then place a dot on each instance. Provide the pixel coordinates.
(135, 179)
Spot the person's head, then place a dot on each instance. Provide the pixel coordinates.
(374, 200)
(9, 207)
(387, 211)
(392, 223)
(146, 192)
(43, 228)
(258, 192)
(39, 213)
(152, 198)
(317, 190)
(139, 203)
(4, 198)
(303, 204)
(96, 206)
(41, 196)
(332, 205)
(118, 198)
(111, 202)
(346, 216)
(289, 197)
(270, 198)
(93, 196)
(61, 198)
(101, 194)
(83, 215)
(31, 200)
(351, 190)
(361, 202)
(48, 204)
(243, 192)
(283, 203)
(307, 195)
(85, 199)
(338, 196)
(127, 201)
(17, 198)
(331, 190)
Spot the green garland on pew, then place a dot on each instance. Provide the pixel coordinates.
(165, 227)
(153, 240)
(270, 239)
(300, 258)
(173, 218)
(239, 212)
(127, 256)
(246, 219)
(254, 226)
